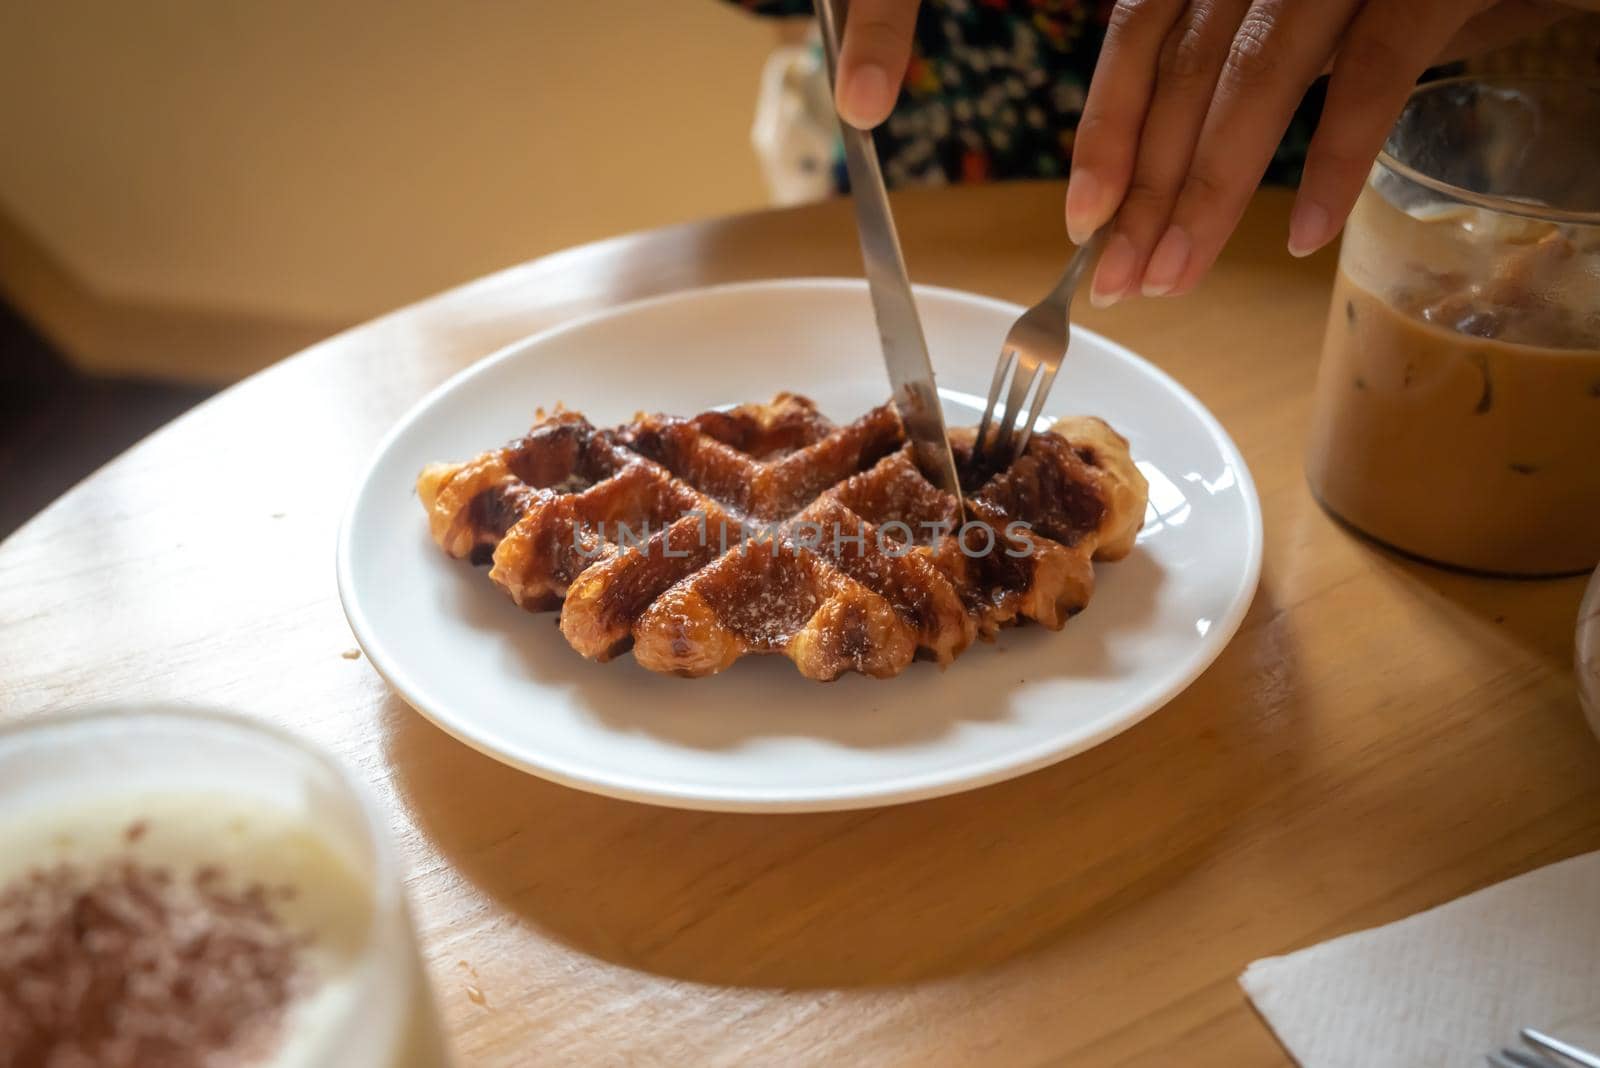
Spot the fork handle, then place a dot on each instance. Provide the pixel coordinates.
(1087, 254)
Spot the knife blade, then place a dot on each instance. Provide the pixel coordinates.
(905, 348)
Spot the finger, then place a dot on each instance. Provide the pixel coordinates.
(1502, 24)
(1113, 115)
(1276, 53)
(1388, 46)
(1186, 77)
(873, 59)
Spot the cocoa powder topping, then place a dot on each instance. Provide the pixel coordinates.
(132, 966)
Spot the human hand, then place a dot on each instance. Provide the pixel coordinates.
(1191, 97)
(872, 59)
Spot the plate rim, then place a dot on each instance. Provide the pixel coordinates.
(903, 790)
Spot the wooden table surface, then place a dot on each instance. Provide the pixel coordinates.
(1380, 737)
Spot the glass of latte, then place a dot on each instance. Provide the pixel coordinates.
(183, 889)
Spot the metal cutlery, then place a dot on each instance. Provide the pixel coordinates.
(1517, 1058)
(905, 349)
(1034, 348)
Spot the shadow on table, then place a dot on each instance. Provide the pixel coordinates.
(1538, 616)
(874, 897)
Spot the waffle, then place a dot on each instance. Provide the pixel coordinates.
(769, 529)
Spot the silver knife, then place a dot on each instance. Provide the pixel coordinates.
(905, 349)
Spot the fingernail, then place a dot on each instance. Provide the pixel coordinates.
(1083, 206)
(1167, 263)
(1115, 273)
(1308, 228)
(865, 97)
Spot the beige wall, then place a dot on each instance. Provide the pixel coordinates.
(295, 165)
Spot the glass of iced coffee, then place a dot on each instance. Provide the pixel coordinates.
(186, 890)
(1457, 413)
(1587, 661)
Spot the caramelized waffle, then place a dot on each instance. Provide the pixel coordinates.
(769, 529)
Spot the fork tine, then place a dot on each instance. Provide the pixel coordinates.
(1026, 373)
(1498, 1061)
(1522, 1059)
(1555, 1045)
(1047, 378)
(1008, 357)
(1037, 321)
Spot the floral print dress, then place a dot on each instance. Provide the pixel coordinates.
(995, 88)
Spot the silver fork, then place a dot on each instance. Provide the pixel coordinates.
(1035, 346)
(1516, 1058)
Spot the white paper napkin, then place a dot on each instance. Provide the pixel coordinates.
(1446, 985)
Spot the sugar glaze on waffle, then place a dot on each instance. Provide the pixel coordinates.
(769, 529)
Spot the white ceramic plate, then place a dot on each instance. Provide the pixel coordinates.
(760, 737)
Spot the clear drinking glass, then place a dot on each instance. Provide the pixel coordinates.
(1587, 661)
(180, 791)
(1457, 413)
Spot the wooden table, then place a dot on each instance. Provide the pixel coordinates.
(1380, 737)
